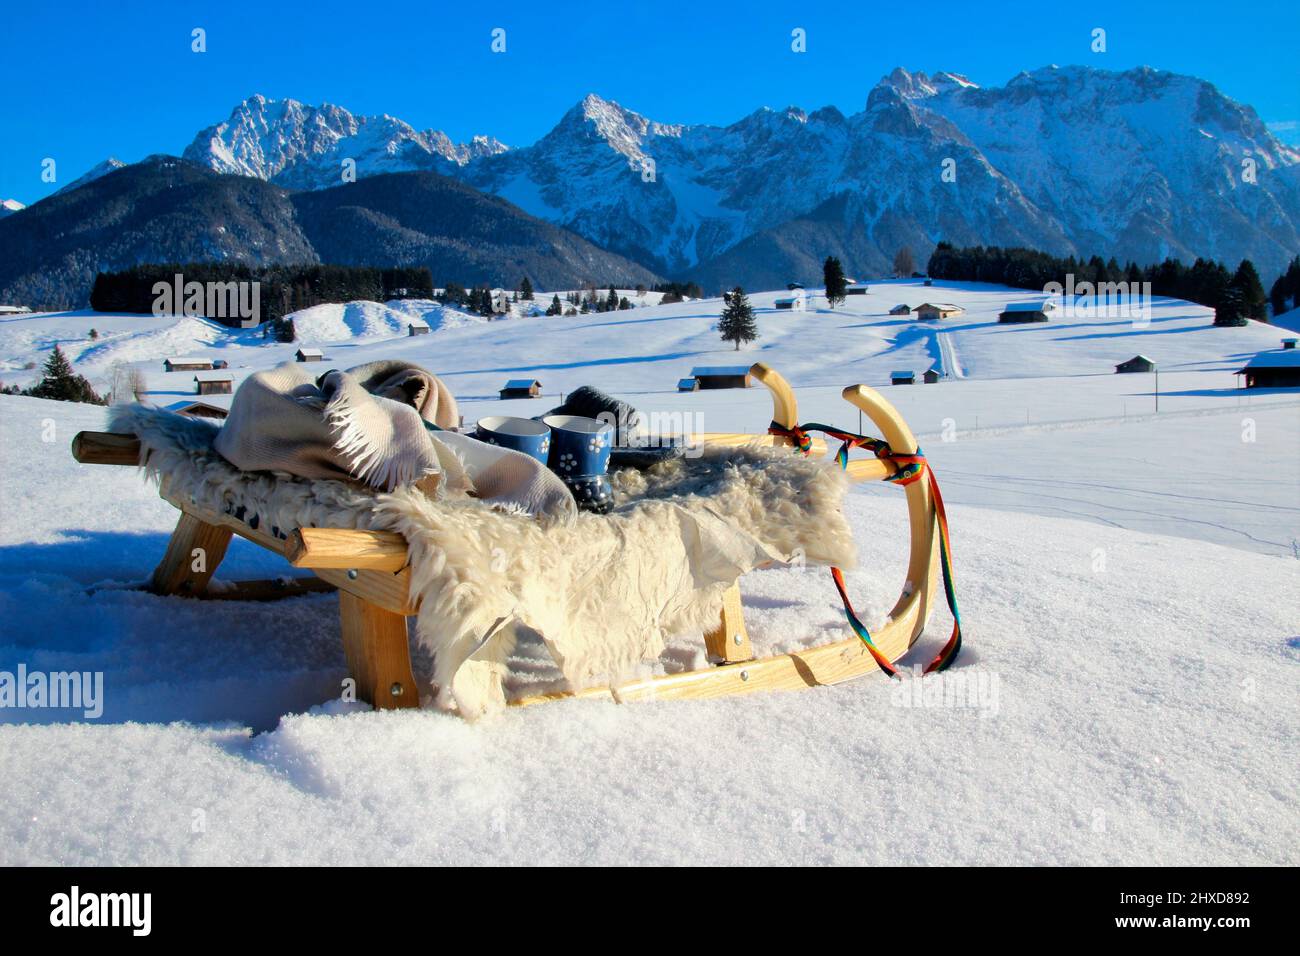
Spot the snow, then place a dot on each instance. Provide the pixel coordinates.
(1128, 581)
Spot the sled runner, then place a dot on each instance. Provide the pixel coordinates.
(370, 571)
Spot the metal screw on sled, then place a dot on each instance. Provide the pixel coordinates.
(744, 675)
(738, 639)
(352, 574)
(396, 689)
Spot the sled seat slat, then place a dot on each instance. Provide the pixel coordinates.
(385, 589)
(344, 548)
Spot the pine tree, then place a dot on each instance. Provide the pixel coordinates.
(611, 303)
(526, 290)
(58, 381)
(555, 308)
(1246, 282)
(1229, 310)
(737, 323)
(833, 277)
(1285, 293)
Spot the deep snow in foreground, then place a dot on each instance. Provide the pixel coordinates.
(1129, 583)
(1126, 698)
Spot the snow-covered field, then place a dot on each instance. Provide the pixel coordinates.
(1129, 583)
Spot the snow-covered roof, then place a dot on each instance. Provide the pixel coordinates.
(219, 402)
(902, 373)
(213, 377)
(858, 285)
(418, 324)
(712, 371)
(686, 383)
(312, 352)
(1279, 358)
(1043, 306)
(522, 383)
(189, 360)
(941, 306)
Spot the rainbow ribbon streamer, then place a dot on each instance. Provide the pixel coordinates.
(909, 468)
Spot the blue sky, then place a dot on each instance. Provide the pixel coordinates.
(83, 81)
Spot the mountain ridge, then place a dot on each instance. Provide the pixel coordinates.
(165, 209)
(1137, 164)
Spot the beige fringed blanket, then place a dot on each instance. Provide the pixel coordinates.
(604, 592)
(368, 423)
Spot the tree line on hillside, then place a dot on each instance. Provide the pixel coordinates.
(282, 289)
(1285, 293)
(1235, 296)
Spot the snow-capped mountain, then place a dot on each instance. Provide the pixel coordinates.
(99, 169)
(303, 147)
(1137, 165)
(1144, 164)
(10, 206)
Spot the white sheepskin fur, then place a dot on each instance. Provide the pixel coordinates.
(604, 592)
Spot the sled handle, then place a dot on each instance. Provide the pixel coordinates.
(885, 416)
(785, 407)
(909, 616)
(106, 448)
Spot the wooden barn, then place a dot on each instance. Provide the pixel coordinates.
(1138, 363)
(309, 355)
(932, 376)
(522, 388)
(213, 383)
(195, 408)
(903, 377)
(417, 327)
(792, 286)
(722, 376)
(901, 309)
(1288, 343)
(688, 385)
(932, 311)
(1279, 369)
(856, 288)
(794, 303)
(1017, 312)
(190, 365)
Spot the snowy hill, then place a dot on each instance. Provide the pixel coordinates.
(657, 344)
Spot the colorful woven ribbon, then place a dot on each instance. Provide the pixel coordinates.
(908, 468)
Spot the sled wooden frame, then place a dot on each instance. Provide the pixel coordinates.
(370, 571)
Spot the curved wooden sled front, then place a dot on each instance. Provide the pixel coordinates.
(369, 570)
(827, 663)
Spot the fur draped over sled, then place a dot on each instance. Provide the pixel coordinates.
(604, 592)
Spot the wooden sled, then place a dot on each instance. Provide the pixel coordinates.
(369, 569)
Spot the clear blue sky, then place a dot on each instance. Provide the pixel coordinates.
(83, 81)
